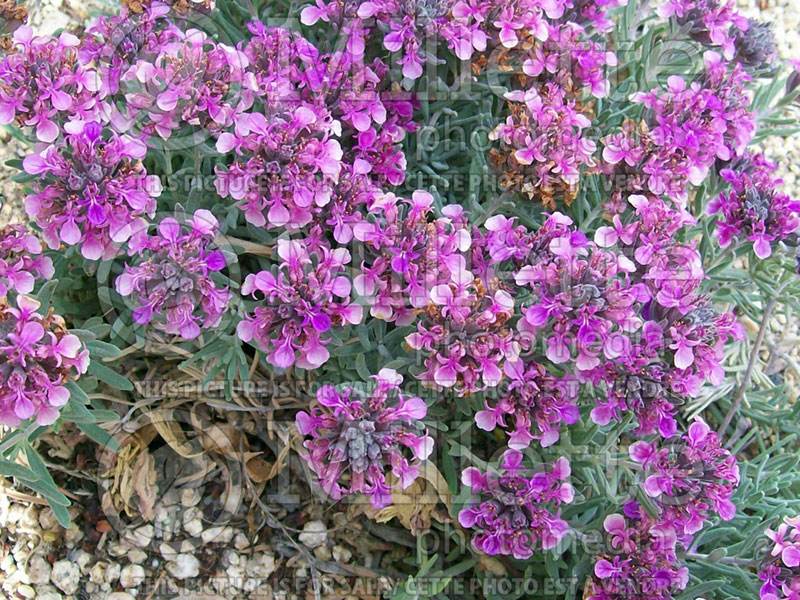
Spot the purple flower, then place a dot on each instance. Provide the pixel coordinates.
(543, 146)
(689, 126)
(173, 279)
(642, 564)
(345, 16)
(509, 23)
(283, 63)
(513, 510)
(506, 244)
(568, 60)
(93, 193)
(115, 44)
(682, 337)
(190, 79)
(464, 332)
(407, 255)
(754, 209)
(324, 142)
(689, 479)
(42, 85)
(780, 567)
(291, 166)
(671, 271)
(532, 401)
(643, 385)
(711, 22)
(695, 337)
(355, 435)
(406, 27)
(38, 357)
(304, 298)
(21, 260)
(756, 49)
(592, 14)
(583, 302)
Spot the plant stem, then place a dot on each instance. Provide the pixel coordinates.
(729, 560)
(729, 251)
(762, 331)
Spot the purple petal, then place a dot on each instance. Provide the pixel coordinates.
(169, 229)
(31, 333)
(321, 322)
(215, 261)
(604, 569)
(34, 164)
(143, 314)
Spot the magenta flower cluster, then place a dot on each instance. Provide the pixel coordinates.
(673, 355)
(303, 299)
(21, 260)
(43, 86)
(94, 191)
(531, 405)
(172, 282)
(115, 44)
(643, 385)
(688, 480)
(583, 302)
(567, 58)
(357, 436)
(38, 358)
(691, 125)
(544, 140)
(409, 253)
(545, 144)
(636, 329)
(414, 29)
(642, 564)
(153, 77)
(780, 567)
(711, 22)
(516, 510)
(465, 335)
(292, 172)
(324, 142)
(525, 22)
(191, 79)
(754, 209)
(696, 337)
(672, 271)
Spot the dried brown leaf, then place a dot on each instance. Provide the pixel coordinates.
(221, 438)
(143, 482)
(170, 431)
(491, 565)
(439, 483)
(416, 506)
(259, 470)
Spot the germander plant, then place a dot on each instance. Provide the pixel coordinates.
(516, 244)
